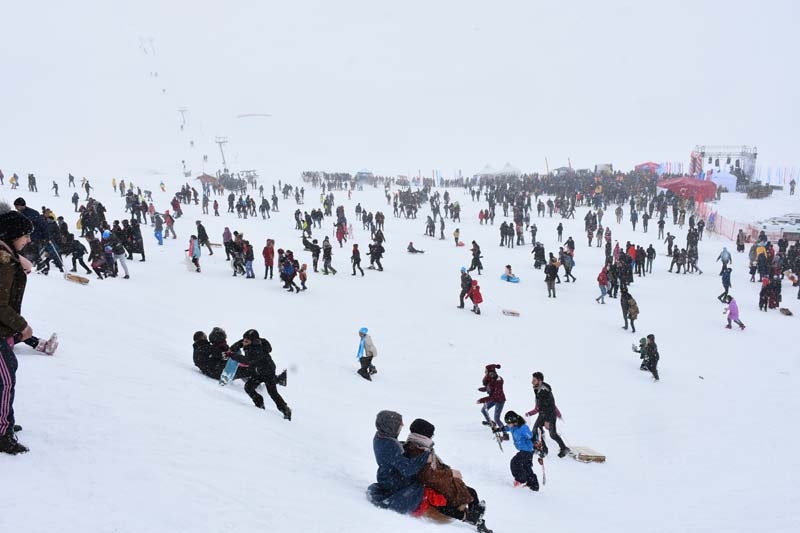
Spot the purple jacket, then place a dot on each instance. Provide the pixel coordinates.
(733, 310)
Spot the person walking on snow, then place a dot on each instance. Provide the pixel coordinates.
(630, 309)
(466, 284)
(602, 282)
(366, 351)
(726, 284)
(495, 397)
(733, 312)
(525, 442)
(475, 295)
(547, 410)
(194, 252)
(725, 257)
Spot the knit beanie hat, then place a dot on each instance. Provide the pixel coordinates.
(422, 427)
(13, 224)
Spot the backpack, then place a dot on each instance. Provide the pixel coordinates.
(633, 309)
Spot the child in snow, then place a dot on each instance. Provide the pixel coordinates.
(651, 355)
(194, 252)
(508, 274)
(475, 295)
(495, 397)
(525, 442)
(366, 351)
(733, 313)
(642, 353)
(763, 295)
(303, 274)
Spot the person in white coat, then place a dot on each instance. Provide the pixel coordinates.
(366, 351)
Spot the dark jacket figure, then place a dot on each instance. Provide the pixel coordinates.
(476, 258)
(15, 230)
(202, 237)
(550, 275)
(630, 309)
(355, 259)
(547, 410)
(466, 285)
(649, 354)
(209, 358)
(397, 487)
(262, 369)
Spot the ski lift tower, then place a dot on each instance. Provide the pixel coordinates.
(222, 141)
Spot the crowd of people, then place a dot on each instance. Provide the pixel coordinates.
(411, 477)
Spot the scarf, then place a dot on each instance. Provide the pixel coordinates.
(426, 444)
(361, 347)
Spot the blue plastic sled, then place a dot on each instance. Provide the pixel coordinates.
(512, 279)
(228, 373)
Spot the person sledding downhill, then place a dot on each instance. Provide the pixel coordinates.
(495, 398)
(462, 501)
(525, 442)
(398, 487)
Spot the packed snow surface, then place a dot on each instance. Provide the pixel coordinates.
(127, 436)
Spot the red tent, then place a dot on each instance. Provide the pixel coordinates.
(700, 190)
(649, 166)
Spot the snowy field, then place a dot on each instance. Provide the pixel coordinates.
(127, 436)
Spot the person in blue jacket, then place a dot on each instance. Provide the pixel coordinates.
(397, 487)
(524, 442)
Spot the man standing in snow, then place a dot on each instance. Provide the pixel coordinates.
(202, 237)
(466, 283)
(366, 351)
(547, 411)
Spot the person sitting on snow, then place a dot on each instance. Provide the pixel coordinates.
(462, 501)
(413, 250)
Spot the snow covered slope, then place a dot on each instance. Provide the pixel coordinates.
(126, 435)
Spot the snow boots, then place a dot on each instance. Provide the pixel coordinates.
(10, 445)
(364, 374)
(280, 379)
(49, 346)
(287, 413)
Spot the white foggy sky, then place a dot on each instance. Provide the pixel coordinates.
(393, 87)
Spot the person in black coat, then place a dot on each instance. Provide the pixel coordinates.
(466, 284)
(209, 358)
(262, 369)
(547, 411)
(78, 251)
(202, 237)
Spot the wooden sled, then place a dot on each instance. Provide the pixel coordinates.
(76, 279)
(785, 311)
(585, 454)
(215, 245)
(509, 312)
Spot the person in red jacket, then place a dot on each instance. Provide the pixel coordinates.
(602, 282)
(268, 253)
(495, 397)
(474, 294)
